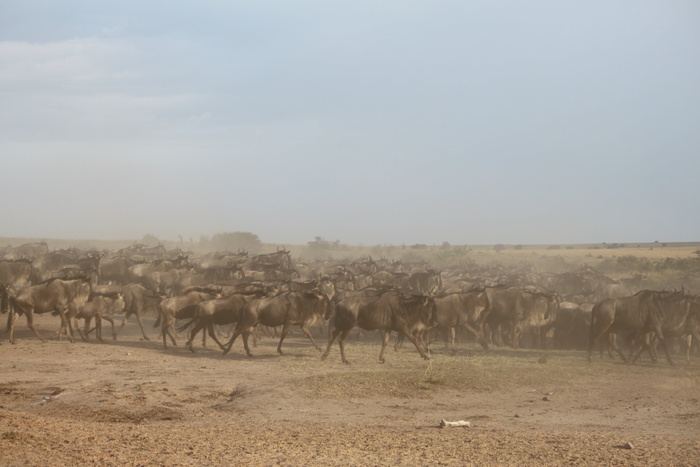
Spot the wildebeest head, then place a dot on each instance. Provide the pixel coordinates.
(424, 308)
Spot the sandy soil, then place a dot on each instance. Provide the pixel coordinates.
(132, 403)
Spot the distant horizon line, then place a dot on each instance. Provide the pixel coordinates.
(3, 239)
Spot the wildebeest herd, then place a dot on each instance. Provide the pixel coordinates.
(492, 305)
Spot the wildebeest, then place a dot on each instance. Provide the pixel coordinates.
(463, 310)
(645, 312)
(16, 273)
(387, 312)
(137, 300)
(218, 311)
(64, 297)
(99, 307)
(115, 269)
(513, 310)
(285, 309)
(674, 310)
(29, 251)
(425, 283)
(170, 307)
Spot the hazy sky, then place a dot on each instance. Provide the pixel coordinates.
(392, 122)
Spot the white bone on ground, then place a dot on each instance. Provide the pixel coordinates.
(445, 424)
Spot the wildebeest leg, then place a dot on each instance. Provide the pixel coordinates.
(85, 333)
(98, 328)
(11, 318)
(417, 342)
(212, 333)
(229, 344)
(399, 342)
(664, 345)
(193, 333)
(341, 343)
(613, 344)
(453, 334)
(331, 337)
(597, 330)
(171, 334)
(283, 334)
(308, 334)
(644, 344)
(247, 334)
(65, 325)
(166, 331)
(143, 332)
(126, 318)
(477, 334)
(30, 324)
(111, 321)
(386, 335)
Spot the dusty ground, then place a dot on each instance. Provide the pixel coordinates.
(132, 403)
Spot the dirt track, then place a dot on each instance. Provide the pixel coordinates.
(131, 403)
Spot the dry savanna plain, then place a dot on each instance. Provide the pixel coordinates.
(130, 402)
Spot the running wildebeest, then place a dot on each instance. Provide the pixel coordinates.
(387, 312)
(64, 297)
(285, 309)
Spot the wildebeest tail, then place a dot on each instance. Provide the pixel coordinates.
(186, 325)
(187, 312)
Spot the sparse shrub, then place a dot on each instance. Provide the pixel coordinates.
(233, 241)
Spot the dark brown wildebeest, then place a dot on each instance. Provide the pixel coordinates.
(645, 312)
(219, 311)
(170, 308)
(387, 312)
(285, 309)
(672, 311)
(465, 310)
(64, 297)
(514, 310)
